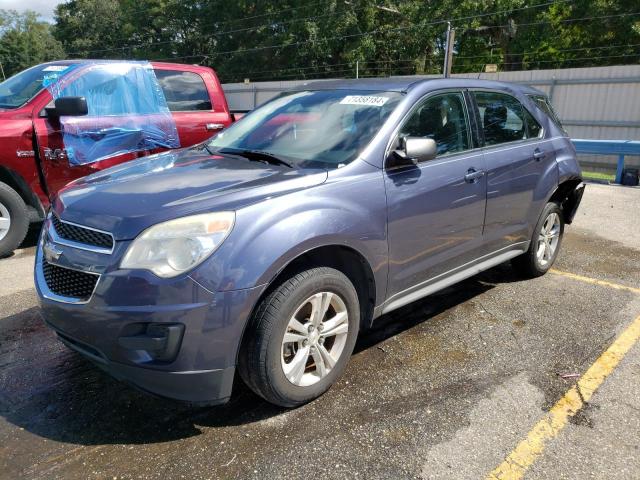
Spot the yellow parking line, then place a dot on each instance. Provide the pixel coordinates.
(523, 456)
(595, 281)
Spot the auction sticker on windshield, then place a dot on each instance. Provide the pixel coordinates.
(364, 100)
(55, 68)
(53, 73)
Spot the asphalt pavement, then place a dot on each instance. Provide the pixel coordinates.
(447, 387)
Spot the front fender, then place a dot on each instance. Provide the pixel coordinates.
(347, 211)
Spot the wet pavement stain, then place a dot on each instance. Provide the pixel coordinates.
(411, 384)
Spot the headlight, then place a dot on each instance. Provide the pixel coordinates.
(171, 248)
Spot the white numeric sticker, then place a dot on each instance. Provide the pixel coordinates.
(364, 100)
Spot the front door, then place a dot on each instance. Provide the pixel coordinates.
(126, 120)
(435, 209)
(58, 168)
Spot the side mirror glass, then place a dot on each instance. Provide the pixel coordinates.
(69, 107)
(416, 149)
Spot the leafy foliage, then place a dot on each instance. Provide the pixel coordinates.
(287, 39)
(25, 41)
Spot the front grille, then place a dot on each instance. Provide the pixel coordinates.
(77, 234)
(69, 283)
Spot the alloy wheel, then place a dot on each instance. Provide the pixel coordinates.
(548, 239)
(5, 221)
(314, 339)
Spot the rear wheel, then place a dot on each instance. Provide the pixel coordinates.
(301, 337)
(14, 220)
(545, 243)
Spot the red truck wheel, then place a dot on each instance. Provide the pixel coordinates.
(14, 220)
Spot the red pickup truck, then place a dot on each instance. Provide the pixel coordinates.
(35, 160)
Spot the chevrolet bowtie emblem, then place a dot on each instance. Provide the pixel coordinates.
(51, 253)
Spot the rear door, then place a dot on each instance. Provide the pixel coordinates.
(196, 102)
(516, 157)
(435, 208)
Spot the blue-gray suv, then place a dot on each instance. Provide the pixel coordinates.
(265, 250)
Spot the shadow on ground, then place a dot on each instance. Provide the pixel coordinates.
(30, 240)
(57, 394)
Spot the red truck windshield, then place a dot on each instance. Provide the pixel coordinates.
(22, 87)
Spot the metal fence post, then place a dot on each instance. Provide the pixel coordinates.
(552, 88)
(620, 168)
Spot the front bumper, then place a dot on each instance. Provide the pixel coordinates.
(172, 337)
(211, 387)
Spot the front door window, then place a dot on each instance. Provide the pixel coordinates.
(442, 118)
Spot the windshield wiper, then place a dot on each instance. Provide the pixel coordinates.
(209, 149)
(258, 156)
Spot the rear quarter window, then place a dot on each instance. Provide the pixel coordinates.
(545, 105)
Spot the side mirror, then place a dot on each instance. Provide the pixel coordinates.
(416, 149)
(69, 107)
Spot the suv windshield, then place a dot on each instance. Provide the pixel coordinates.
(324, 128)
(22, 87)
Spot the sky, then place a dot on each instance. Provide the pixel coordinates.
(43, 7)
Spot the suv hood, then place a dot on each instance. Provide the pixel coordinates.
(129, 198)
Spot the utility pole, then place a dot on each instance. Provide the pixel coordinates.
(448, 54)
(357, 68)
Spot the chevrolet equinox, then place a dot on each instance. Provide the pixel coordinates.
(266, 249)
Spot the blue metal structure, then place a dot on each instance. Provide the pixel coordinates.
(609, 147)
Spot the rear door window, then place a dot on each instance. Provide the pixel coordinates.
(534, 130)
(504, 119)
(184, 91)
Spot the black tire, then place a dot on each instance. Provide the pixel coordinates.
(259, 363)
(528, 264)
(19, 215)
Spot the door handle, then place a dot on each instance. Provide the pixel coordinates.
(473, 175)
(538, 154)
(214, 126)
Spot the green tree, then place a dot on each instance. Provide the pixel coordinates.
(91, 28)
(286, 39)
(25, 41)
(560, 35)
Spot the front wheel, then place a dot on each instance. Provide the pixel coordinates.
(301, 337)
(14, 220)
(545, 243)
